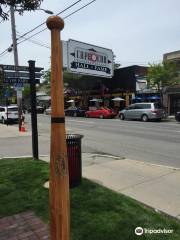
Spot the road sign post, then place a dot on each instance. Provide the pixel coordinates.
(33, 109)
(59, 179)
(17, 76)
(18, 68)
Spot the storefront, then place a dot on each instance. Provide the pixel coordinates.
(171, 99)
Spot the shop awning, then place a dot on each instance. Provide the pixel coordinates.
(153, 98)
(118, 99)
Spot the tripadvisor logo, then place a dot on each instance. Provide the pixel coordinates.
(139, 231)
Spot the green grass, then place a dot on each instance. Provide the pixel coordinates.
(97, 213)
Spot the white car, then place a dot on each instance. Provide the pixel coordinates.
(8, 114)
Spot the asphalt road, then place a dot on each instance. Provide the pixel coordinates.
(154, 142)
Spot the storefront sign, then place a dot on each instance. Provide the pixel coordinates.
(88, 59)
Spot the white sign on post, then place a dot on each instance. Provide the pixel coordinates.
(64, 54)
(83, 58)
(19, 93)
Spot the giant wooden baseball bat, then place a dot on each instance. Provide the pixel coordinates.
(59, 180)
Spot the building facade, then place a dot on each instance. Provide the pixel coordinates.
(171, 95)
(124, 84)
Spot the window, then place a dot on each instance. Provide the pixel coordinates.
(157, 106)
(15, 109)
(138, 106)
(131, 107)
(146, 106)
(2, 109)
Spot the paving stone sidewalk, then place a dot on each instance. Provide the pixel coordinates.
(23, 226)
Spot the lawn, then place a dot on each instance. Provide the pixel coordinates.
(97, 213)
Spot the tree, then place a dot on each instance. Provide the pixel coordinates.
(46, 84)
(26, 91)
(117, 65)
(68, 78)
(162, 75)
(19, 5)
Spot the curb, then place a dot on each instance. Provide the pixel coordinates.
(25, 156)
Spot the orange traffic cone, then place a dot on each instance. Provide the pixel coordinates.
(22, 129)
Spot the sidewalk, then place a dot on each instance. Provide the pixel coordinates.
(12, 131)
(23, 226)
(154, 185)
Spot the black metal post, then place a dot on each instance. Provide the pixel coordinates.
(33, 109)
(7, 110)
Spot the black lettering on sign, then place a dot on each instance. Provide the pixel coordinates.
(76, 65)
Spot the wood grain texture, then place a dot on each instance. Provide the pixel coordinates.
(59, 179)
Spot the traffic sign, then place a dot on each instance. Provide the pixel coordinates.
(18, 85)
(19, 89)
(19, 68)
(19, 93)
(20, 75)
(19, 80)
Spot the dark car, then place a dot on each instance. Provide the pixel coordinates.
(39, 109)
(177, 116)
(75, 112)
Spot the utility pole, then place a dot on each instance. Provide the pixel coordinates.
(16, 63)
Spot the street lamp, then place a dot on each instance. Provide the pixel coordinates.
(42, 9)
(46, 11)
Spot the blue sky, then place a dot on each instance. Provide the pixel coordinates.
(138, 31)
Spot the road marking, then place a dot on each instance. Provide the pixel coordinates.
(81, 121)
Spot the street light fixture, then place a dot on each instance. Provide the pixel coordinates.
(46, 11)
(42, 9)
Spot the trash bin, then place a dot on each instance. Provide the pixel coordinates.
(74, 159)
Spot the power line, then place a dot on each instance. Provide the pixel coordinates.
(37, 42)
(5, 53)
(3, 19)
(79, 9)
(70, 6)
(2, 54)
(28, 38)
(63, 18)
(36, 39)
(45, 21)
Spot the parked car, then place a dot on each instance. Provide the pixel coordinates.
(75, 112)
(8, 113)
(177, 116)
(143, 111)
(39, 109)
(47, 111)
(101, 113)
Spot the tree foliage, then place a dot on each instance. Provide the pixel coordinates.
(68, 79)
(46, 85)
(20, 5)
(26, 91)
(162, 75)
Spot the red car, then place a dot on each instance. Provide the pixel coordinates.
(101, 113)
